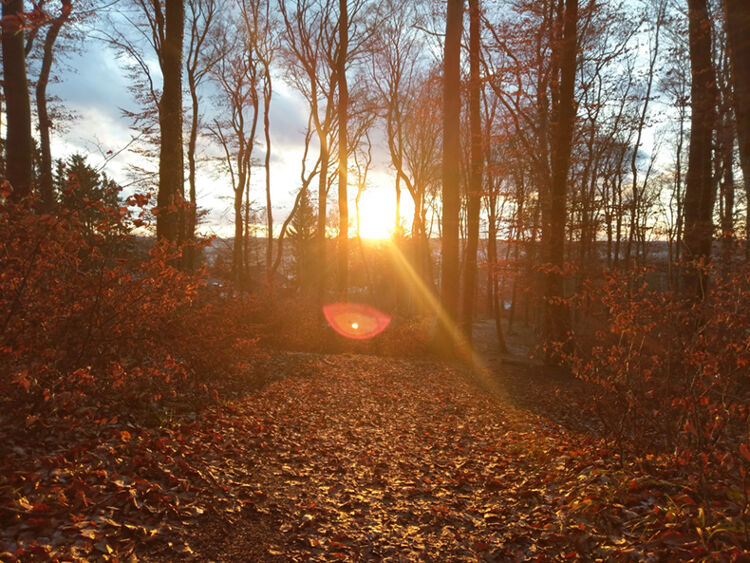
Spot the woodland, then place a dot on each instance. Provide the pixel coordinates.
(540, 352)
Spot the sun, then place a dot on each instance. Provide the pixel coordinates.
(377, 211)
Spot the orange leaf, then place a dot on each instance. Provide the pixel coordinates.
(125, 435)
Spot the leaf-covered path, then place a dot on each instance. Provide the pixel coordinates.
(354, 458)
(366, 458)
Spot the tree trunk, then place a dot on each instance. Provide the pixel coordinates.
(556, 321)
(474, 193)
(237, 254)
(343, 108)
(738, 40)
(191, 218)
(320, 270)
(45, 181)
(267, 93)
(170, 218)
(19, 146)
(700, 190)
(451, 171)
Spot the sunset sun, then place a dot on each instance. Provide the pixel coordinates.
(377, 211)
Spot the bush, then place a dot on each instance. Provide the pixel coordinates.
(672, 375)
(88, 329)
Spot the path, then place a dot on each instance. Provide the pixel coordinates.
(382, 459)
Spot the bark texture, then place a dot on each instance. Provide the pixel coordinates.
(451, 156)
(474, 192)
(18, 144)
(556, 321)
(169, 222)
(700, 189)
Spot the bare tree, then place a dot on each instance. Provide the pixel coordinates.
(199, 59)
(306, 179)
(236, 75)
(46, 189)
(394, 70)
(308, 50)
(565, 49)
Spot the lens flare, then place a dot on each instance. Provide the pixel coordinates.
(355, 320)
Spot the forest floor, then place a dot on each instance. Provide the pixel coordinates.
(355, 458)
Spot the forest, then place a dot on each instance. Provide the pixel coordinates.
(375, 281)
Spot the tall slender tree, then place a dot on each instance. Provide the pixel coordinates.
(201, 21)
(19, 146)
(700, 189)
(451, 166)
(738, 40)
(170, 218)
(236, 75)
(308, 48)
(46, 188)
(343, 108)
(474, 191)
(565, 50)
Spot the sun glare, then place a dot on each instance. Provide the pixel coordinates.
(377, 210)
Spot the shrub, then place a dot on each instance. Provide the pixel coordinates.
(88, 328)
(672, 375)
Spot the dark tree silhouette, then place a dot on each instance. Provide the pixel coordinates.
(474, 191)
(19, 146)
(169, 221)
(45, 178)
(738, 40)
(451, 164)
(556, 322)
(343, 106)
(700, 190)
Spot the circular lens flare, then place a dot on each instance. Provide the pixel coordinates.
(355, 320)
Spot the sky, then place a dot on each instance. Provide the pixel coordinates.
(95, 88)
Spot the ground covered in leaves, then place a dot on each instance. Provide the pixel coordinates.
(352, 458)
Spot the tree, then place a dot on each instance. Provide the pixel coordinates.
(305, 181)
(700, 190)
(302, 236)
(93, 196)
(393, 72)
(19, 146)
(474, 191)
(451, 166)
(343, 106)
(236, 75)
(309, 48)
(738, 40)
(199, 59)
(43, 117)
(556, 322)
(171, 195)
(265, 47)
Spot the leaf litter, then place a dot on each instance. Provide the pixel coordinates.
(354, 458)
